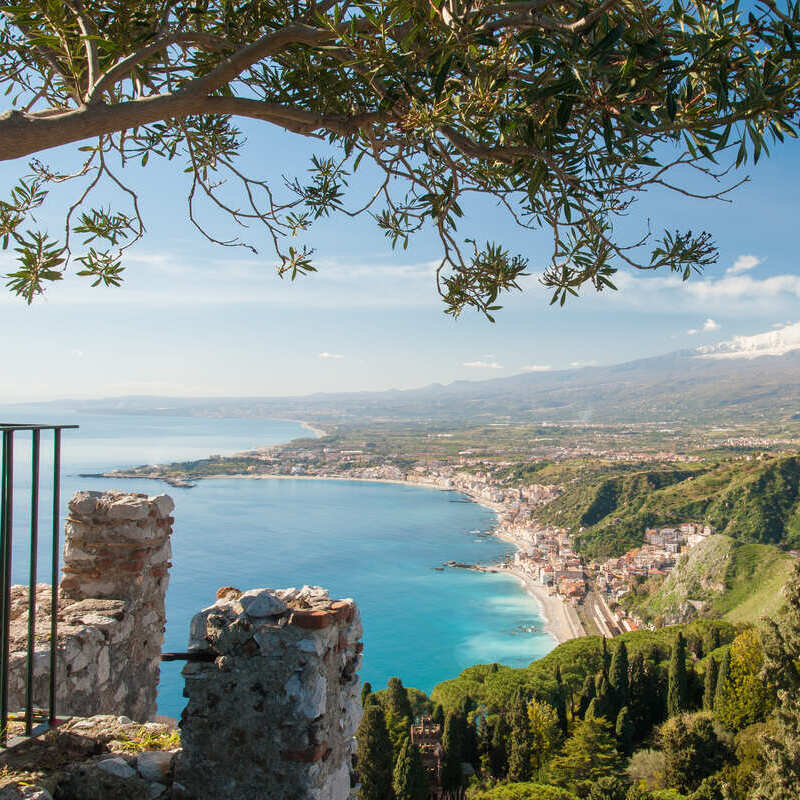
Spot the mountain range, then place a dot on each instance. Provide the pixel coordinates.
(744, 379)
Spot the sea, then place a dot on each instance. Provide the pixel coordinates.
(381, 544)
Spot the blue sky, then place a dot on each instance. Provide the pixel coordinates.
(193, 318)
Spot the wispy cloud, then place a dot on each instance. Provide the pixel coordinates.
(692, 331)
(710, 325)
(536, 368)
(330, 355)
(482, 364)
(579, 364)
(743, 264)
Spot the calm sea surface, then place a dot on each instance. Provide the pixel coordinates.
(377, 543)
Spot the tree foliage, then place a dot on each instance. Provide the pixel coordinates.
(677, 687)
(374, 755)
(780, 778)
(409, 780)
(563, 113)
(588, 755)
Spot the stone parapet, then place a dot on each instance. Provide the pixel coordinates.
(274, 714)
(111, 614)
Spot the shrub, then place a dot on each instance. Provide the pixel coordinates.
(523, 791)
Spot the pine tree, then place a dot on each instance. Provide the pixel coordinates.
(519, 744)
(618, 677)
(588, 755)
(409, 780)
(374, 755)
(624, 731)
(780, 779)
(366, 691)
(453, 745)
(561, 702)
(721, 689)
(586, 695)
(709, 684)
(677, 688)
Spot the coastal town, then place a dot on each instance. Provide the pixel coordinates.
(577, 596)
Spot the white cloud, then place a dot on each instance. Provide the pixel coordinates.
(76, 353)
(482, 364)
(710, 325)
(536, 368)
(692, 331)
(330, 355)
(771, 343)
(579, 364)
(743, 264)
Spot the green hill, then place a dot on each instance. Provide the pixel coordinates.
(755, 501)
(720, 578)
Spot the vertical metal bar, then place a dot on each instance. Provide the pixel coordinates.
(35, 440)
(5, 544)
(54, 576)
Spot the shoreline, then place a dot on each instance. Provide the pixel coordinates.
(560, 619)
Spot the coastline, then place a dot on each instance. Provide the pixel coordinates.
(560, 619)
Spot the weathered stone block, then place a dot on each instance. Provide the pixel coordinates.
(275, 714)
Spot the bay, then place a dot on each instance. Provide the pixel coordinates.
(378, 543)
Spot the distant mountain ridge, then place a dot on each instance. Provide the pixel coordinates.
(679, 386)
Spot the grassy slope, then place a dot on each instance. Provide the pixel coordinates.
(752, 501)
(738, 582)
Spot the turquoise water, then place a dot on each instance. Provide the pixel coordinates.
(377, 543)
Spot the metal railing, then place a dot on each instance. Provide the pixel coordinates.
(6, 540)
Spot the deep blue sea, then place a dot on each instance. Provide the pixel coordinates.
(377, 543)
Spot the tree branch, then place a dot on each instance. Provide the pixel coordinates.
(23, 134)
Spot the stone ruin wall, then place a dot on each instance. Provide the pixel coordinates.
(111, 613)
(273, 708)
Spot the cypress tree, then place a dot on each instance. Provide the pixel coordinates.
(710, 684)
(397, 701)
(366, 691)
(712, 640)
(519, 749)
(780, 778)
(606, 658)
(374, 755)
(498, 755)
(604, 702)
(721, 689)
(624, 731)
(409, 780)
(618, 676)
(561, 703)
(453, 746)
(438, 714)
(593, 711)
(677, 688)
(586, 696)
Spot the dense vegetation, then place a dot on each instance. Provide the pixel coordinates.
(755, 501)
(703, 711)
